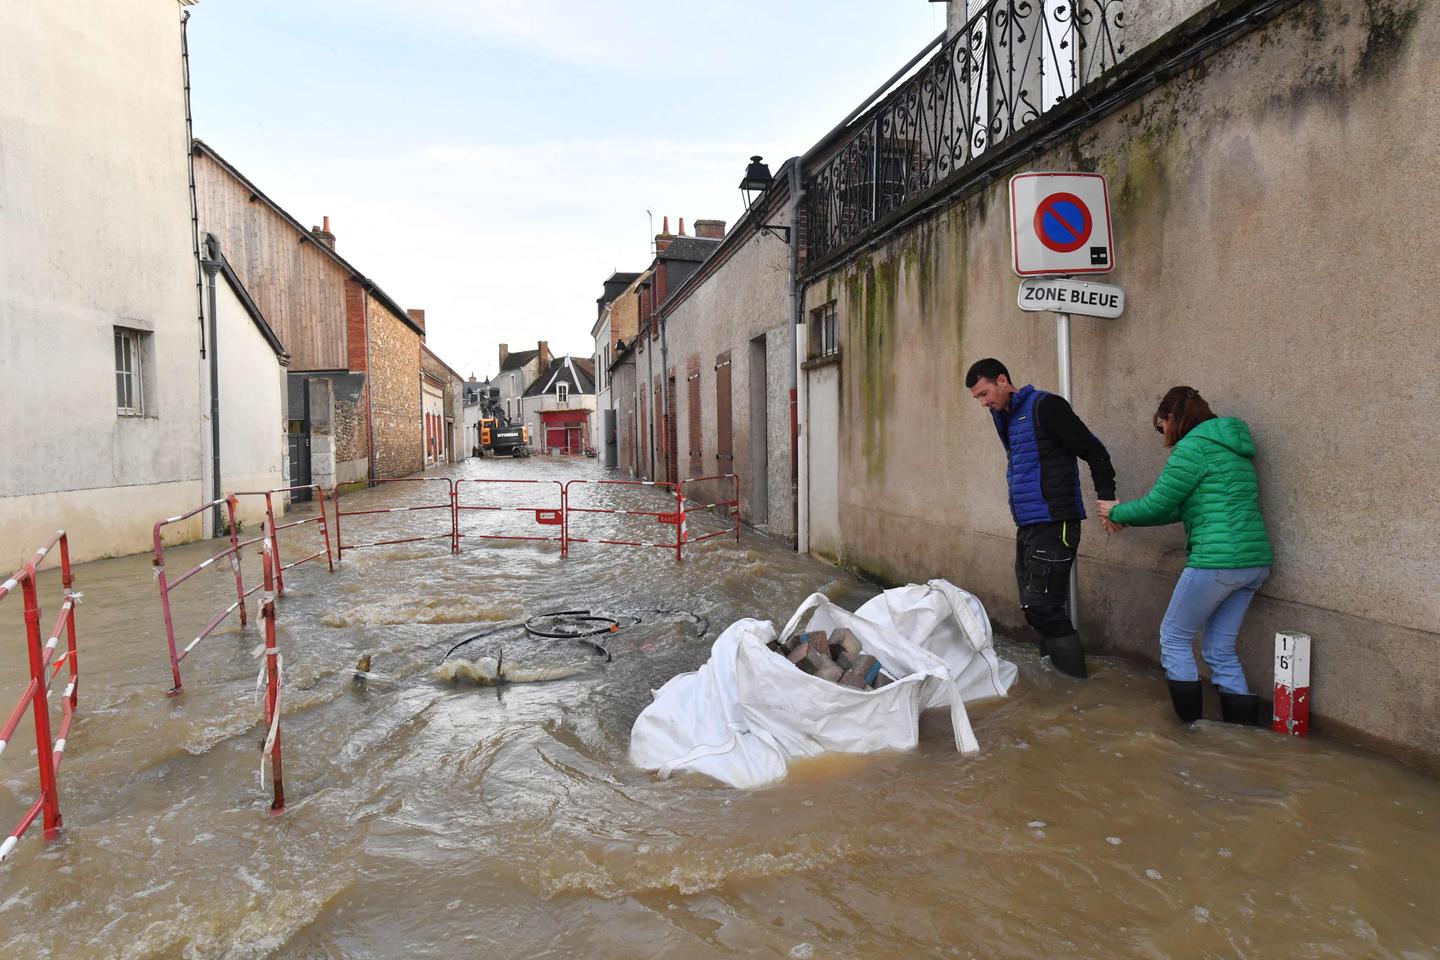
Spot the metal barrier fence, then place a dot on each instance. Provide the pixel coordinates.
(44, 668)
(270, 669)
(545, 515)
(732, 506)
(676, 519)
(319, 518)
(448, 505)
(167, 585)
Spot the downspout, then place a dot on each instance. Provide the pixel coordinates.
(799, 390)
(190, 165)
(649, 382)
(669, 407)
(369, 388)
(212, 266)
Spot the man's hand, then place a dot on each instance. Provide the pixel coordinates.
(1110, 525)
(1104, 507)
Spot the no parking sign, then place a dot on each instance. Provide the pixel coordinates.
(1060, 224)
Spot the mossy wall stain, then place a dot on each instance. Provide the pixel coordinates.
(870, 296)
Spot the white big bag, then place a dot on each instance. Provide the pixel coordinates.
(748, 711)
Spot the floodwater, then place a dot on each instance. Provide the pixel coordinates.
(430, 818)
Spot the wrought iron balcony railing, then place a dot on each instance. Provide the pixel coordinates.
(1013, 61)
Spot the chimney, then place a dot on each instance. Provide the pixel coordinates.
(710, 229)
(663, 238)
(504, 352)
(544, 355)
(682, 226)
(419, 317)
(323, 234)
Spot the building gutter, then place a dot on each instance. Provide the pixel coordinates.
(211, 265)
(190, 166)
(799, 395)
(370, 387)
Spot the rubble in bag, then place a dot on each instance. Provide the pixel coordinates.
(835, 656)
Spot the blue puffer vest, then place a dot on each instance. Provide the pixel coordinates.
(1026, 460)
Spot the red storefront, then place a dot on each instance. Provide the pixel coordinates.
(565, 430)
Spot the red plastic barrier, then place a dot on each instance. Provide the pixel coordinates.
(167, 585)
(319, 518)
(448, 506)
(732, 507)
(675, 519)
(43, 671)
(545, 515)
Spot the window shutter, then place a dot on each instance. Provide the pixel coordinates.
(724, 451)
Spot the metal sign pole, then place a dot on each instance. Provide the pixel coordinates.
(1067, 390)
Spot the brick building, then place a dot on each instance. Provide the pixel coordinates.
(354, 392)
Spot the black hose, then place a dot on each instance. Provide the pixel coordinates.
(587, 624)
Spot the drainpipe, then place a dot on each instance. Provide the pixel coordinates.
(211, 265)
(190, 168)
(799, 389)
(669, 407)
(649, 383)
(369, 388)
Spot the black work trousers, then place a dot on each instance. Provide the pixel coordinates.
(1044, 554)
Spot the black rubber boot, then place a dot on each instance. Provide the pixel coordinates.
(1188, 699)
(1241, 708)
(1067, 655)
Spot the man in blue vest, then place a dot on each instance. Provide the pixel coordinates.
(1043, 438)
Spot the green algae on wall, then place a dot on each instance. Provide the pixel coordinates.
(870, 294)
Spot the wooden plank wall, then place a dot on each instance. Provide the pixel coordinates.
(299, 289)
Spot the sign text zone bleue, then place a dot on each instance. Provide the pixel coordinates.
(1071, 296)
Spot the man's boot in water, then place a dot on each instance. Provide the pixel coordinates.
(1187, 698)
(1067, 655)
(1241, 708)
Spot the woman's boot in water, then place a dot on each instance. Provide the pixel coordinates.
(1187, 698)
(1241, 708)
(1067, 655)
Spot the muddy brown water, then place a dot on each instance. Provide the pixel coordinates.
(433, 819)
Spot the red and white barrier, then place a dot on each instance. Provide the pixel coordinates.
(544, 515)
(319, 518)
(167, 585)
(674, 518)
(731, 506)
(450, 534)
(230, 502)
(1291, 714)
(44, 668)
(270, 670)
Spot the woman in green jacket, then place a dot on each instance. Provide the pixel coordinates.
(1209, 484)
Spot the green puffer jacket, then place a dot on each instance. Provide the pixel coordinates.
(1209, 484)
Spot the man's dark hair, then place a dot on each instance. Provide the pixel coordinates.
(987, 369)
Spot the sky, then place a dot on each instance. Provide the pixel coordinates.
(493, 161)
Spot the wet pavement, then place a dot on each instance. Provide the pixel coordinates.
(437, 818)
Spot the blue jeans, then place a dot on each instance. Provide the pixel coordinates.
(1215, 601)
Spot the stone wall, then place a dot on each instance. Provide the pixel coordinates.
(394, 383)
(1274, 211)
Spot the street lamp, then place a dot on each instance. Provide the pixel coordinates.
(753, 187)
(757, 181)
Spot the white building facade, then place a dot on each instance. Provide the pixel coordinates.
(100, 330)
